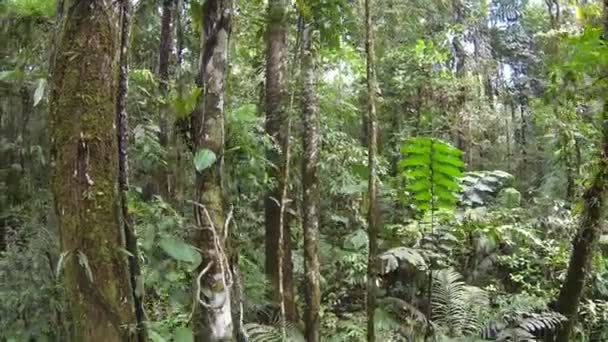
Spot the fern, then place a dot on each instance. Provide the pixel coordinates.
(432, 169)
(524, 326)
(257, 332)
(264, 325)
(456, 306)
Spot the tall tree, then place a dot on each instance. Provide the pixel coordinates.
(164, 55)
(458, 43)
(213, 320)
(591, 222)
(310, 182)
(277, 252)
(372, 148)
(122, 129)
(82, 112)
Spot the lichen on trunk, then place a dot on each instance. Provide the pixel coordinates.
(310, 185)
(213, 321)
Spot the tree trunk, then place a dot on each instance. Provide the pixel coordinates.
(276, 124)
(310, 185)
(85, 156)
(164, 55)
(122, 127)
(372, 140)
(592, 216)
(213, 320)
(459, 61)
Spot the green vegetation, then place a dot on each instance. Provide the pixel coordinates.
(309, 170)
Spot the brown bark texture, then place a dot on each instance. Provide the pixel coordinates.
(276, 97)
(85, 156)
(372, 139)
(122, 132)
(164, 56)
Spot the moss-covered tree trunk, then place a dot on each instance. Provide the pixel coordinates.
(372, 148)
(85, 157)
(310, 185)
(213, 321)
(276, 127)
(592, 218)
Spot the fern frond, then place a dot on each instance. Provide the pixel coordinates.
(455, 305)
(272, 333)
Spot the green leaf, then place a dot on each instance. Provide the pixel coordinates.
(356, 241)
(419, 185)
(417, 160)
(183, 334)
(39, 93)
(245, 114)
(415, 149)
(361, 170)
(447, 170)
(185, 105)
(422, 196)
(203, 159)
(155, 337)
(196, 13)
(431, 170)
(181, 251)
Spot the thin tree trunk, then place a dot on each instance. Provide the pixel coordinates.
(460, 56)
(213, 320)
(164, 55)
(82, 112)
(372, 140)
(276, 124)
(27, 107)
(310, 185)
(122, 128)
(592, 218)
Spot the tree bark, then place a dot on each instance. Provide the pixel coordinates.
(592, 219)
(122, 128)
(213, 320)
(459, 61)
(310, 185)
(164, 56)
(372, 140)
(276, 124)
(85, 158)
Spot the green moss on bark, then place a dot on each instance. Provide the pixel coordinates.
(82, 106)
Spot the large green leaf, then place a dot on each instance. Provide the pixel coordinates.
(431, 169)
(183, 334)
(181, 251)
(203, 159)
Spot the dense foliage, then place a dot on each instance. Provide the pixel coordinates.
(490, 113)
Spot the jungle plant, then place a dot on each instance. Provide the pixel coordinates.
(431, 169)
